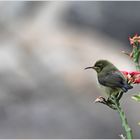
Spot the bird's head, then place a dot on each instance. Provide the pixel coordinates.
(99, 65)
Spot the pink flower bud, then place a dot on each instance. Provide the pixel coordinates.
(134, 39)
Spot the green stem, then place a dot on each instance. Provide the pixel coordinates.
(123, 118)
(137, 66)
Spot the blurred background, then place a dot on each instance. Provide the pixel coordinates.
(44, 48)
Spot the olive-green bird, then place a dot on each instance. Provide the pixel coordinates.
(110, 77)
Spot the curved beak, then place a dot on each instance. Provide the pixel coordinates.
(89, 68)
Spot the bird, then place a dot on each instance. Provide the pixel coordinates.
(110, 77)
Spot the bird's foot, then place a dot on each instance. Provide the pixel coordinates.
(111, 104)
(119, 96)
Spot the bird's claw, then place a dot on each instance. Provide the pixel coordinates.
(119, 96)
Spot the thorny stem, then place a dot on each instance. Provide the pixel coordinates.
(136, 55)
(123, 118)
(137, 66)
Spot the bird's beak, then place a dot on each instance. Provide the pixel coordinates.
(89, 68)
(93, 67)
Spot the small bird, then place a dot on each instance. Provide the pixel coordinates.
(110, 77)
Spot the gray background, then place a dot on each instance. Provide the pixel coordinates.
(44, 48)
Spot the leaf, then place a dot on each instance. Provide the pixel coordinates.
(136, 98)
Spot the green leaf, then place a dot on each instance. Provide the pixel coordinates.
(136, 98)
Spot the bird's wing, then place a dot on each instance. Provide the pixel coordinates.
(112, 79)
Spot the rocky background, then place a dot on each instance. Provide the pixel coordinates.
(44, 48)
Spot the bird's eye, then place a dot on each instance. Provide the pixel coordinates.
(99, 65)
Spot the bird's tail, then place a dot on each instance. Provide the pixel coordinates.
(126, 87)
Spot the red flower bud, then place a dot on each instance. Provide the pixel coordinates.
(132, 76)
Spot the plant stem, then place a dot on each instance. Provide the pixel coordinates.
(137, 66)
(125, 125)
